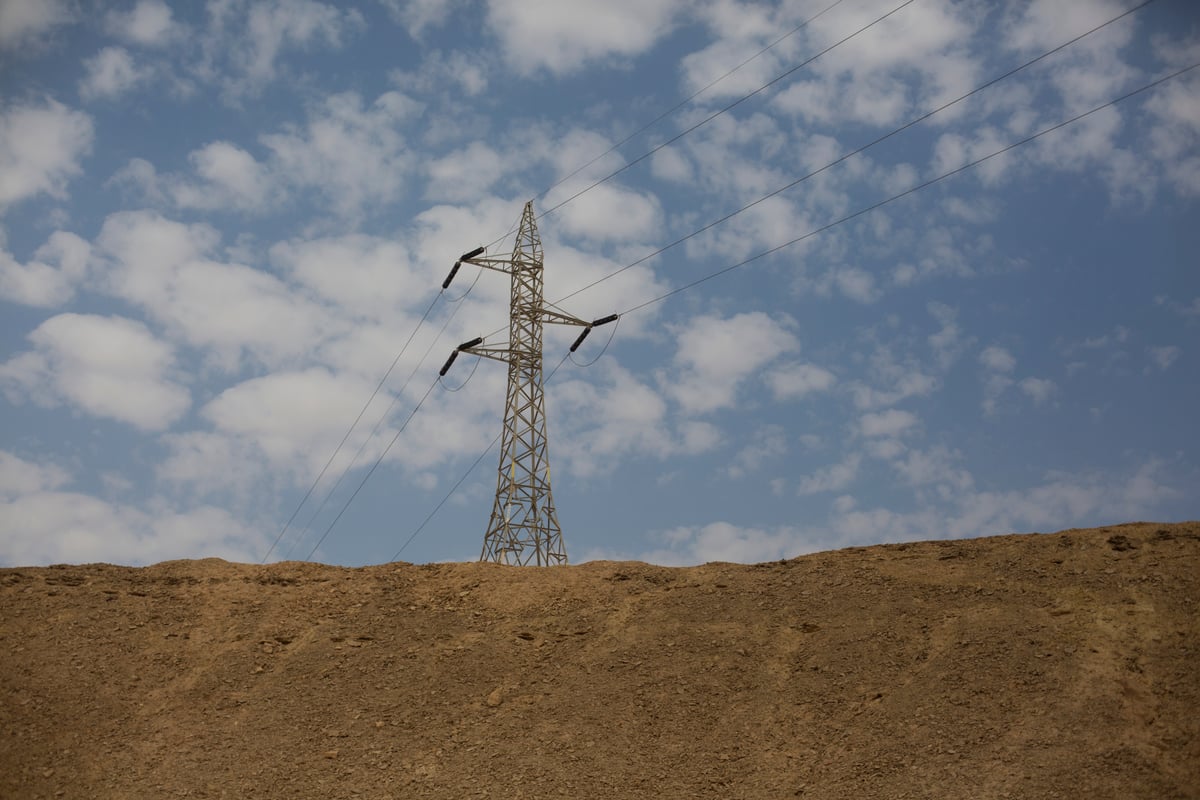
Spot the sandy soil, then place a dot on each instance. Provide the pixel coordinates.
(1033, 666)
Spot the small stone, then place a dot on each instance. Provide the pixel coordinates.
(496, 697)
(331, 753)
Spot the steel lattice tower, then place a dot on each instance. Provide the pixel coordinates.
(524, 527)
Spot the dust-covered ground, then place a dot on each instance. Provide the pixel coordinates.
(1025, 666)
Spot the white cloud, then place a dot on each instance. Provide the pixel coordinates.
(938, 467)
(228, 310)
(563, 35)
(19, 477)
(417, 15)
(796, 380)
(886, 423)
(230, 178)
(149, 23)
(438, 70)
(1176, 133)
(1042, 24)
(948, 343)
(716, 354)
(616, 417)
(48, 527)
(768, 442)
(255, 35)
(352, 154)
(109, 73)
(41, 146)
(465, 173)
(851, 282)
(1039, 390)
(294, 417)
(105, 366)
(997, 359)
(611, 212)
(723, 541)
(24, 20)
(50, 279)
(895, 378)
(1163, 357)
(859, 80)
(365, 276)
(834, 478)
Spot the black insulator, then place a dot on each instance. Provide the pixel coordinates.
(472, 254)
(605, 320)
(582, 336)
(450, 277)
(470, 344)
(449, 361)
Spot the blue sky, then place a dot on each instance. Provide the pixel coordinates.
(220, 223)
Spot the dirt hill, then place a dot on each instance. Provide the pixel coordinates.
(1060, 665)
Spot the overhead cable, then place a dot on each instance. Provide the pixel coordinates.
(689, 98)
(712, 116)
(851, 153)
(375, 429)
(815, 232)
(913, 189)
(350, 430)
(729, 107)
(371, 471)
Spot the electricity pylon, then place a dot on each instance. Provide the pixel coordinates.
(524, 525)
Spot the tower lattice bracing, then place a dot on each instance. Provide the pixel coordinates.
(524, 528)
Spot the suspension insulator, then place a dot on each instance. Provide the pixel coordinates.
(472, 254)
(446, 367)
(450, 277)
(582, 336)
(605, 320)
(470, 344)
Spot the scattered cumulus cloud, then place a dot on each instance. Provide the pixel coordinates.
(564, 36)
(149, 23)
(717, 354)
(834, 478)
(795, 380)
(19, 477)
(1039, 390)
(110, 72)
(1163, 357)
(892, 422)
(42, 145)
(254, 37)
(23, 21)
(50, 279)
(108, 367)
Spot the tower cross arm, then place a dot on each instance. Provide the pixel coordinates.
(559, 318)
(494, 353)
(496, 263)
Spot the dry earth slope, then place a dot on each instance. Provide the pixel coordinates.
(1025, 666)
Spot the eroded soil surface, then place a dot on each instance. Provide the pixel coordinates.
(1033, 666)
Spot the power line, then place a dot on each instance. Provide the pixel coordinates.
(856, 151)
(729, 107)
(375, 429)
(711, 117)
(847, 155)
(371, 471)
(913, 189)
(817, 231)
(856, 214)
(350, 430)
(688, 99)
